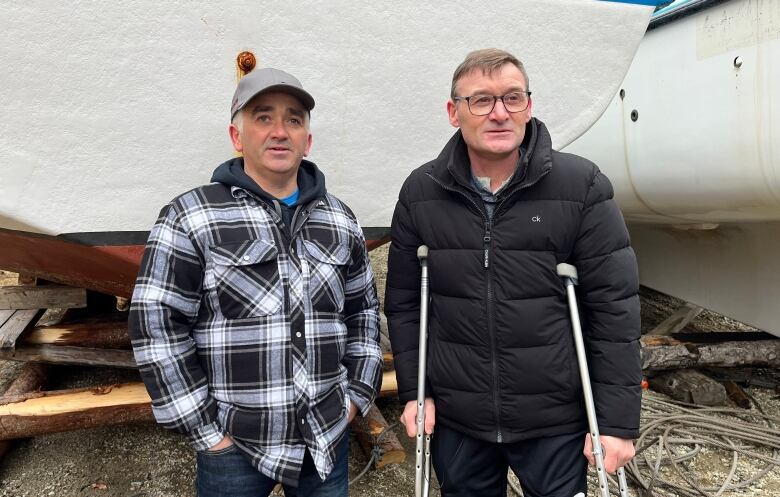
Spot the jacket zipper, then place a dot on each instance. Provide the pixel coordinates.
(491, 328)
(487, 243)
(487, 239)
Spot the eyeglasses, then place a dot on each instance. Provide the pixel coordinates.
(482, 105)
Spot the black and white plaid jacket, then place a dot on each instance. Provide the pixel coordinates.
(240, 328)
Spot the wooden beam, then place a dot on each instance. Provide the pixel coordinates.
(389, 384)
(26, 414)
(31, 377)
(39, 413)
(690, 386)
(42, 297)
(59, 354)
(15, 325)
(101, 335)
(663, 353)
(5, 315)
(372, 430)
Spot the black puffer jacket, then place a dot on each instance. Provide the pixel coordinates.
(501, 360)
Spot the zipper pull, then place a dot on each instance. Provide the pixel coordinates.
(486, 239)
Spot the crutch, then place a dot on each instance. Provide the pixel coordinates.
(569, 275)
(422, 473)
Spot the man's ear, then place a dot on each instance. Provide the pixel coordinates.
(452, 113)
(235, 137)
(308, 146)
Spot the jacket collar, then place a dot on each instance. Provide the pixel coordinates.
(452, 167)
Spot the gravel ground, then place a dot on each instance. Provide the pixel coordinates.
(147, 461)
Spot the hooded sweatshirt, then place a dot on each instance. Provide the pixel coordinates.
(311, 185)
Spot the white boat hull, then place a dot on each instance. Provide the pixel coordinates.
(109, 111)
(696, 170)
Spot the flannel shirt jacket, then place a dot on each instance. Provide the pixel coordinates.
(241, 326)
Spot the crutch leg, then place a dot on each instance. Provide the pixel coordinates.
(422, 455)
(622, 483)
(427, 469)
(569, 275)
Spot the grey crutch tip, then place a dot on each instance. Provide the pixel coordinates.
(422, 252)
(565, 270)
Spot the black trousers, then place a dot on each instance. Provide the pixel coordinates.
(546, 467)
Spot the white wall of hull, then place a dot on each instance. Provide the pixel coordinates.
(704, 148)
(697, 175)
(734, 270)
(110, 110)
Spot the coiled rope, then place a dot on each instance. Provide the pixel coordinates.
(673, 434)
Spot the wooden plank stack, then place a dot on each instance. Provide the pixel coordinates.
(26, 411)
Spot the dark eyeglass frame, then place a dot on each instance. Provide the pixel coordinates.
(495, 98)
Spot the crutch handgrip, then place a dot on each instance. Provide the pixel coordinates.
(566, 271)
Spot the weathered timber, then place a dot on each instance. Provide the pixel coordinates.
(61, 354)
(31, 377)
(736, 394)
(5, 316)
(723, 336)
(372, 430)
(15, 325)
(101, 335)
(663, 353)
(39, 413)
(677, 321)
(755, 377)
(42, 297)
(690, 386)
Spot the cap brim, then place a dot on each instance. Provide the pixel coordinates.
(302, 95)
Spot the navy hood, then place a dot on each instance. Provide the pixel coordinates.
(311, 181)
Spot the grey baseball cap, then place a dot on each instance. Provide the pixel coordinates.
(268, 79)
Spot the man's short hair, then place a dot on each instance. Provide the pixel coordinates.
(238, 120)
(488, 60)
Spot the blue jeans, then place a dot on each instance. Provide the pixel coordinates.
(228, 473)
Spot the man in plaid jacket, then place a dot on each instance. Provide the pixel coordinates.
(254, 318)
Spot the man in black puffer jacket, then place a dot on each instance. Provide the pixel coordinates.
(499, 209)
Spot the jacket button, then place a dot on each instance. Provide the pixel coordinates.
(246, 257)
(298, 334)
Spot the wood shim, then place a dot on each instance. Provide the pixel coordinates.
(42, 297)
